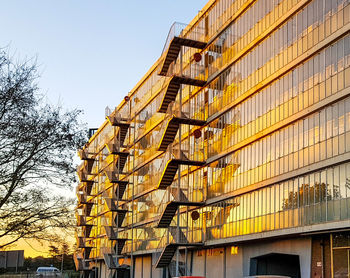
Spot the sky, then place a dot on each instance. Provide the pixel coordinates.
(90, 53)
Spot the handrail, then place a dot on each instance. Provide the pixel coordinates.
(176, 30)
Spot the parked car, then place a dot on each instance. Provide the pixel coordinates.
(47, 271)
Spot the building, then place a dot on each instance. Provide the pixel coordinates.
(231, 156)
(11, 259)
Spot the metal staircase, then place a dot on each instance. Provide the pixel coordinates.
(80, 241)
(115, 149)
(87, 231)
(85, 170)
(119, 191)
(119, 245)
(180, 199)
(173, 119)
(86, 252)
(85, 187)
(172, 160)
(120, 216)
(85, 155)
(113, 176)
(175, 40)
(167, 255)
(179, 239)
(112, 235)
(172, 88)
(87, 208)
(80, 263)
(116, 119)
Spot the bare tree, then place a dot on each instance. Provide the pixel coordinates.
(37, 146)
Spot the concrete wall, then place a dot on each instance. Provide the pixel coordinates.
(138, 268)
(147, 267)
(234, 262)
(198, 264)
(144, 268)
(215, 262)
(228, 262)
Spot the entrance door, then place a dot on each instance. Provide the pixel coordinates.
(341, 263)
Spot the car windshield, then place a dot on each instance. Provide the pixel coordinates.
(45, 270)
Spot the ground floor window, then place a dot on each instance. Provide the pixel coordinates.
(341, 255)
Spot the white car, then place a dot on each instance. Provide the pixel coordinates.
(47, 271)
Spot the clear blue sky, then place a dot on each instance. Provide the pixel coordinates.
(91, 52)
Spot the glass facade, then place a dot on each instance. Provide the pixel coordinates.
(244, 130)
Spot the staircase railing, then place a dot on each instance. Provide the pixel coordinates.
(183, 30)
(183, 268)
(170, 153)
(163, 241)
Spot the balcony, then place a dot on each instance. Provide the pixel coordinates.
(115, 148)
(115, 119)
(113, 176)
(84, 154)
(83, 175)
(112, 235)
(113, 261)
(83, 192)
(145, 238)
(224, 169)
(85, 170)
(84, 209)
(179, 36)
(85, 187)
(81, 220)
(82, 197)
(110, 232)
(173, 119)
(111, 205)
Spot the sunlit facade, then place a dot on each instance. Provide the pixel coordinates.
(231, 156)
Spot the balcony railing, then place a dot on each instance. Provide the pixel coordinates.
(84, 154)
